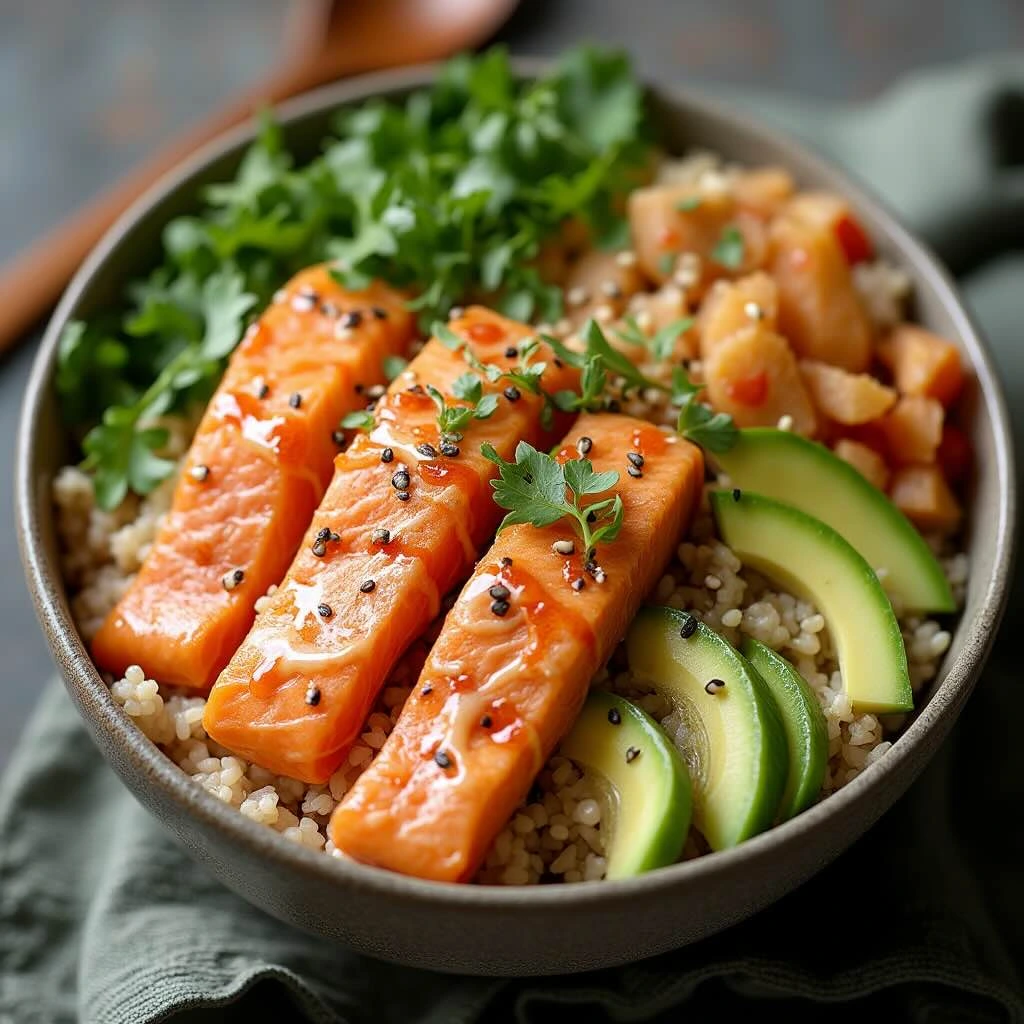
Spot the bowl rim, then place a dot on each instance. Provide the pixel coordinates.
(143, 758)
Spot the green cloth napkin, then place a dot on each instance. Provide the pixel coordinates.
(104, 920)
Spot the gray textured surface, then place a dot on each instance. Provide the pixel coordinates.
(86, 88)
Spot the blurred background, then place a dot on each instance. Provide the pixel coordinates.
(86, 89)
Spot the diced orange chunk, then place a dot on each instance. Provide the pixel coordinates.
(599, 279)
(754, 377)
(849, 398)
(668, 220)
(913, 429)
(923, 496)
(820, 311)
(763, 190)
(865, 460)
(731, 306)
(922, 363)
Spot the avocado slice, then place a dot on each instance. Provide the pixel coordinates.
(810, 558)
(731, 735)
(646, 783)
(782, 465)
(804, 722)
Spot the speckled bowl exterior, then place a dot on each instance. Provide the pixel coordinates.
(538, 930)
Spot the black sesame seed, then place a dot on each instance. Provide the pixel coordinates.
(416, 389)
(712, 686)
(353, 318)
(403, 495)
(325, 611)
(689, 626)
(312, 696)
(263, 390)
(614, 405)
(338, 437)
(591, 517)
(380, 314)
(381, 536)
(634, 472)
(486, 721)
(583, 445)
(511, 352)
(500, 592)
(334, 537)
(449, 450)
(329, 309)
(636, 459)
(500, 608)
(295, 400)
(400, 480)
(199, 473)
(736, 494)
(558, 362)
(427, 690)
(442, 759)
(319, 548)
(579, 583)
(512, 393)
(376, 392)
(632, 753)
(428, 451)
(506, 561)
(367, 586)
(614, 717)
(360, 388)
(323, 534)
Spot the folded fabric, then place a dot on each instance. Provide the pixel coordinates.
(104, 920)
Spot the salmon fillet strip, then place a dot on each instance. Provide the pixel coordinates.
(400, 525)
(499, 691)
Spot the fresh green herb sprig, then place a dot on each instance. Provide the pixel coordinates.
(448, 193)
(730, 249)
(452, 420)
(538, 490)
(698, 422)
(662, 343)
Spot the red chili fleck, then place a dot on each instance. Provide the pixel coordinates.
(485, 332)
(854, 241)
(668, 238)
(750, 390)
(954, 454)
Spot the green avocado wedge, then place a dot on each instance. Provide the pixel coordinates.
(810, 558)
(782, 465)
(727, 724)
(804, 722)
(647, 788)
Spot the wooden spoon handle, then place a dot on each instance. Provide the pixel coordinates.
(31, 283)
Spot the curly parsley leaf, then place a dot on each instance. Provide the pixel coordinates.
(538, 490)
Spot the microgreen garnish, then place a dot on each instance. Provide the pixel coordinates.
(729, 249)
(538, 490)
(688, 204)
(361, 419)
(393, 366)
(667, 262)
(448, 193)
(452, 420)
(698, 422)
(662, 343)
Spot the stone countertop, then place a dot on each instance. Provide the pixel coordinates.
(86, 89)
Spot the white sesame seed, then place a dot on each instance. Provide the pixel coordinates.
(626, 258)
(577, 296)
(785, 422)
(754, 311)
(563, 547)
(604, 314)
(644, 320)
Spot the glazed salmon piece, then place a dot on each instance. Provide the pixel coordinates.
(499, 691)
(259, 464)
(400, 525)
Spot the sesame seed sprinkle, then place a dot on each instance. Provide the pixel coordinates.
(611, 289)
(626, 258)
(312, 696)
(713, 686)
(500, 608)
(442, 760)
(232, 578)
(387, 455)
(512, 393)
(689, 626)
(736, 494)
(456, 313)
(578, 584)
(500, 592)
(634, 472)
(338, 437)
(295, 400)
(400, 480)
(636, 459)
(403, 495)
(506, 561)
(381, 536)
(260, 387)
(614, 716)
(486, 721)
(511, 352)
(583, 445)
(200, 473)
(427, 690)
(428, 451)
(754, 311)
(563, 547)
(367, 586)
(325, 610)
(577, 296)
(353, 318)
(380, 313)
(632, 753)
(329, 309)
(449, 450)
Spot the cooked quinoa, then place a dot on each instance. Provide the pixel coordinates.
(556, 833)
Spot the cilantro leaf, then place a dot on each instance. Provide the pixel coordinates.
(538, 490)
(393, 366)
(730, 248)
(713, 431)
(360, 419)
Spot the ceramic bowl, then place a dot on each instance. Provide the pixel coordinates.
(528, 930)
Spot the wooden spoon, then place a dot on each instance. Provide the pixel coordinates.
(324, 40)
